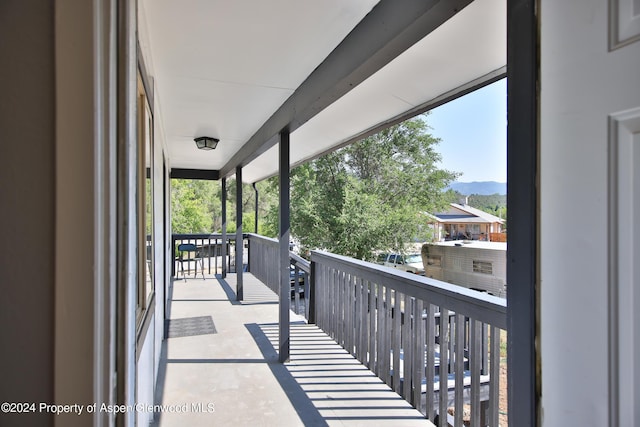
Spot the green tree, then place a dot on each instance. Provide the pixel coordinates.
(195, 206)
(493, 204)
(268, 197)
(371, 195)
(268, 207)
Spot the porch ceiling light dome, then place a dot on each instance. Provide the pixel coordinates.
(206, 142)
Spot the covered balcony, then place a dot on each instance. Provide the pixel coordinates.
(367, 345)
(125, 91)
(273, 89)
(102, 102)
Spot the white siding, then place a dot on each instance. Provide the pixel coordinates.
(457, 267)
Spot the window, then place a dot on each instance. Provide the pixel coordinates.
(413, 259)
(145, 201)
(484, 267)
(473, 228)
(434, 260)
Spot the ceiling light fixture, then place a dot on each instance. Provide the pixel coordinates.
(206, 142)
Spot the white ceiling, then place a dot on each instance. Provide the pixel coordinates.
(222, 68)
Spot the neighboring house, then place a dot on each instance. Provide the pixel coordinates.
(476, 265)
(462, 222)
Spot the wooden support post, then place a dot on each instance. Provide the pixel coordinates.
(239, 242)
(284, 263)
(224, 227)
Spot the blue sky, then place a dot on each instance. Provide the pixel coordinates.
(473, 133)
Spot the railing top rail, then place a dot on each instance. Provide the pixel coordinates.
(478, 305)
(230, 236)
(296, 260)
(268, 240)
(300, 262)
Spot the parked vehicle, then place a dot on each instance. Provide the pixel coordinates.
(411, 263)
(481, 266)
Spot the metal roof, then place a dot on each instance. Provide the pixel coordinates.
(465, 214)
(330, 71)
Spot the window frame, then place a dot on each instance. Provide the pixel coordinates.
(145, 287)
(434, 258)
(479, 266)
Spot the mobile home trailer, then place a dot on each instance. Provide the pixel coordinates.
(476, 265)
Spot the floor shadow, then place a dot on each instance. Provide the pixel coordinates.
(332, 385)
(303, 406)
(231, 294)
(257, 302)
(212, 361)
(323, 383)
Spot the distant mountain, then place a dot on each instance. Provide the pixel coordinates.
(485, 188)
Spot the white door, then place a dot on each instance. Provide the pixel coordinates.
(589, 215)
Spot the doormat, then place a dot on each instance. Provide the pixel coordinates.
(189, 326)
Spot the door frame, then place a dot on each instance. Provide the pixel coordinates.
(522, 215)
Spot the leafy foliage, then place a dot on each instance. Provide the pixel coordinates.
(371, 195)
(495, 204)
(195, 206)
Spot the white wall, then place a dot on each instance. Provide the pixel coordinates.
(149, 358)
(457, 266)
(582, 84)
(146, 376)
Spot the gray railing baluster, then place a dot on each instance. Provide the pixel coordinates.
(476, 366)
(340, 301)
(376, 314)
(332, 309)
(384, 337)
(353, 313)
(357, 324)
(364, 321)
(459, 368)
(485, 349)
(372, 326)
(348, 312)
(318, 283)
(430, 362)
(406, 348)
(308, 299)
(418, 355)
(377, 366)
(443, 370)
(494, 380)
(396, 334)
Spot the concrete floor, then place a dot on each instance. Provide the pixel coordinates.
(233, 378)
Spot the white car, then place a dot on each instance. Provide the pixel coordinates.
(411, 263)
